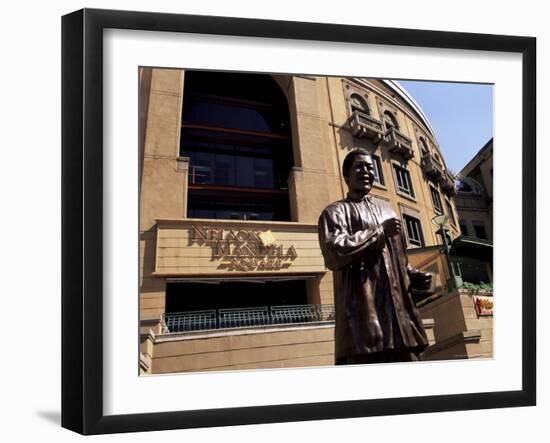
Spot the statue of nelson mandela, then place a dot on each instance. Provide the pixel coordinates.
(362, 243)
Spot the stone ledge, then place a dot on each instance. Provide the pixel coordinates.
(465, 337)
(216, 333)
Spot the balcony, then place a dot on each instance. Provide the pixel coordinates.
(246, 317)
(364, 126)
(432, 168)
(398, 143)
(448, 184)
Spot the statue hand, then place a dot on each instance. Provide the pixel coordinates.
(391, 226)
(376, 335)
(420, 280)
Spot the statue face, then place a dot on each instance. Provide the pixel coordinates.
(361, 174)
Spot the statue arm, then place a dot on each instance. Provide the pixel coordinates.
(340, 247)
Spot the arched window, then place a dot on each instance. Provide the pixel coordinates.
(423, 147)
(236, 133)
(358, 103)
(390, 120)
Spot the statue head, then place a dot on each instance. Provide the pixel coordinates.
(358, 171)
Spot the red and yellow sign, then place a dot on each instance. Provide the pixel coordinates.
(483, 305)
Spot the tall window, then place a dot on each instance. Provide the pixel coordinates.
(378, 175)
(450, 212)
(414, 231)
(423, 147)
(479, 228)
(403, 180)
(236, 133)
(436, 200)
(358, 103)
(390, 120)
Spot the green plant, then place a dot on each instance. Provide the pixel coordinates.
(474, 288)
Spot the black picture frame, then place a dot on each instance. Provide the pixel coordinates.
(82, 218)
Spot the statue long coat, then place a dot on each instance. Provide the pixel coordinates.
(373, 305)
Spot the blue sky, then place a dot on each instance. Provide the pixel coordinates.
(461, 115)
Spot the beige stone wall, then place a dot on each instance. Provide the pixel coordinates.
(313, 179)
(470, 217)
(162, 182)
(459, 332)
(484, 324)
(269, 347)
(478, 208)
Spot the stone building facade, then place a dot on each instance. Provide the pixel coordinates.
(474, 204)
(235, 170)
(474, 198)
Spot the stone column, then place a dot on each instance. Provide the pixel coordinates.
(163, 180)
(312, 180)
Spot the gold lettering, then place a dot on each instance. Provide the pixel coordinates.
(249, 247)
(291, 253)
(244, 250)
(216, 234)
(256, 236)
(222, 249)
(275, 250)
(201, 233)
(230, 236)
(242, 235)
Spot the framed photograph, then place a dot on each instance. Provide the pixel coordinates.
(210, 261)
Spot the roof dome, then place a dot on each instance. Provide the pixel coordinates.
(468, 185)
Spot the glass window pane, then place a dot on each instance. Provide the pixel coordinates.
(263, 173)
(244, 173)
(229, 116)
(450, 212)
(225, 170)
(414, 230)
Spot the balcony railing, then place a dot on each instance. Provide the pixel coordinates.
(365, 126)
(398, 143)
(189, 321)
(448, 184)
(432, 168)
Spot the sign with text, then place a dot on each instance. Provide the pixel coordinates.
(245, 249)
(209, 247)
(483, 305)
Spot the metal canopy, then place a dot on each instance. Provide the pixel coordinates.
(473, 247)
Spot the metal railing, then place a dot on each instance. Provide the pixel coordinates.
(189, 321)
(363, 125)
(399, 142)
(431, 167)
(448, 183)
(239, 317)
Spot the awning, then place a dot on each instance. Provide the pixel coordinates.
(473, 247)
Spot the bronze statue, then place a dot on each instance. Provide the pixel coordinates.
(361, 241)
